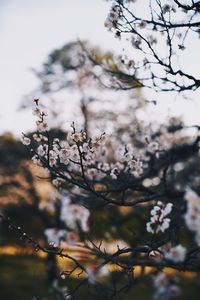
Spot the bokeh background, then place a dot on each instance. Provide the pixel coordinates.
(29, 31)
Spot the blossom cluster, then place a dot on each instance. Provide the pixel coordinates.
(176, 254)
(25, 140)
(42, 123)
(89, 158)
(54, 236)
(165, 287)
(158, 221)
(93, 158)
(57, 237)
(146, 35)
(73, 215)
(113, 17)
(192, 215)
(88, 163)
(75, 218)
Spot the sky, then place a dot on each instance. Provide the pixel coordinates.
(30, 30)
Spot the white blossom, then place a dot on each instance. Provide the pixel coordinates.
(192, 216)
(42, 150)
(72, 238)
(64, 156)
(114, 172)
(57, 182)
(42, 125)
(37, 111)
(164, 288)
(176, 254)
(158, 221)
(113, 17)
(153, 146)
(25, 140)
(36, 160)
(73, 215)
(54, 236)
(37, 137)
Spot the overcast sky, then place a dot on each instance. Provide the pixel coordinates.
(29, 30)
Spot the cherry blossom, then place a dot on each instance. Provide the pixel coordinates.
(25, 140)
(176, 254)
(192, 216)
(158, 221)
(54, 236)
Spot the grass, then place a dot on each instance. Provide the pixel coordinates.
(22, 277)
